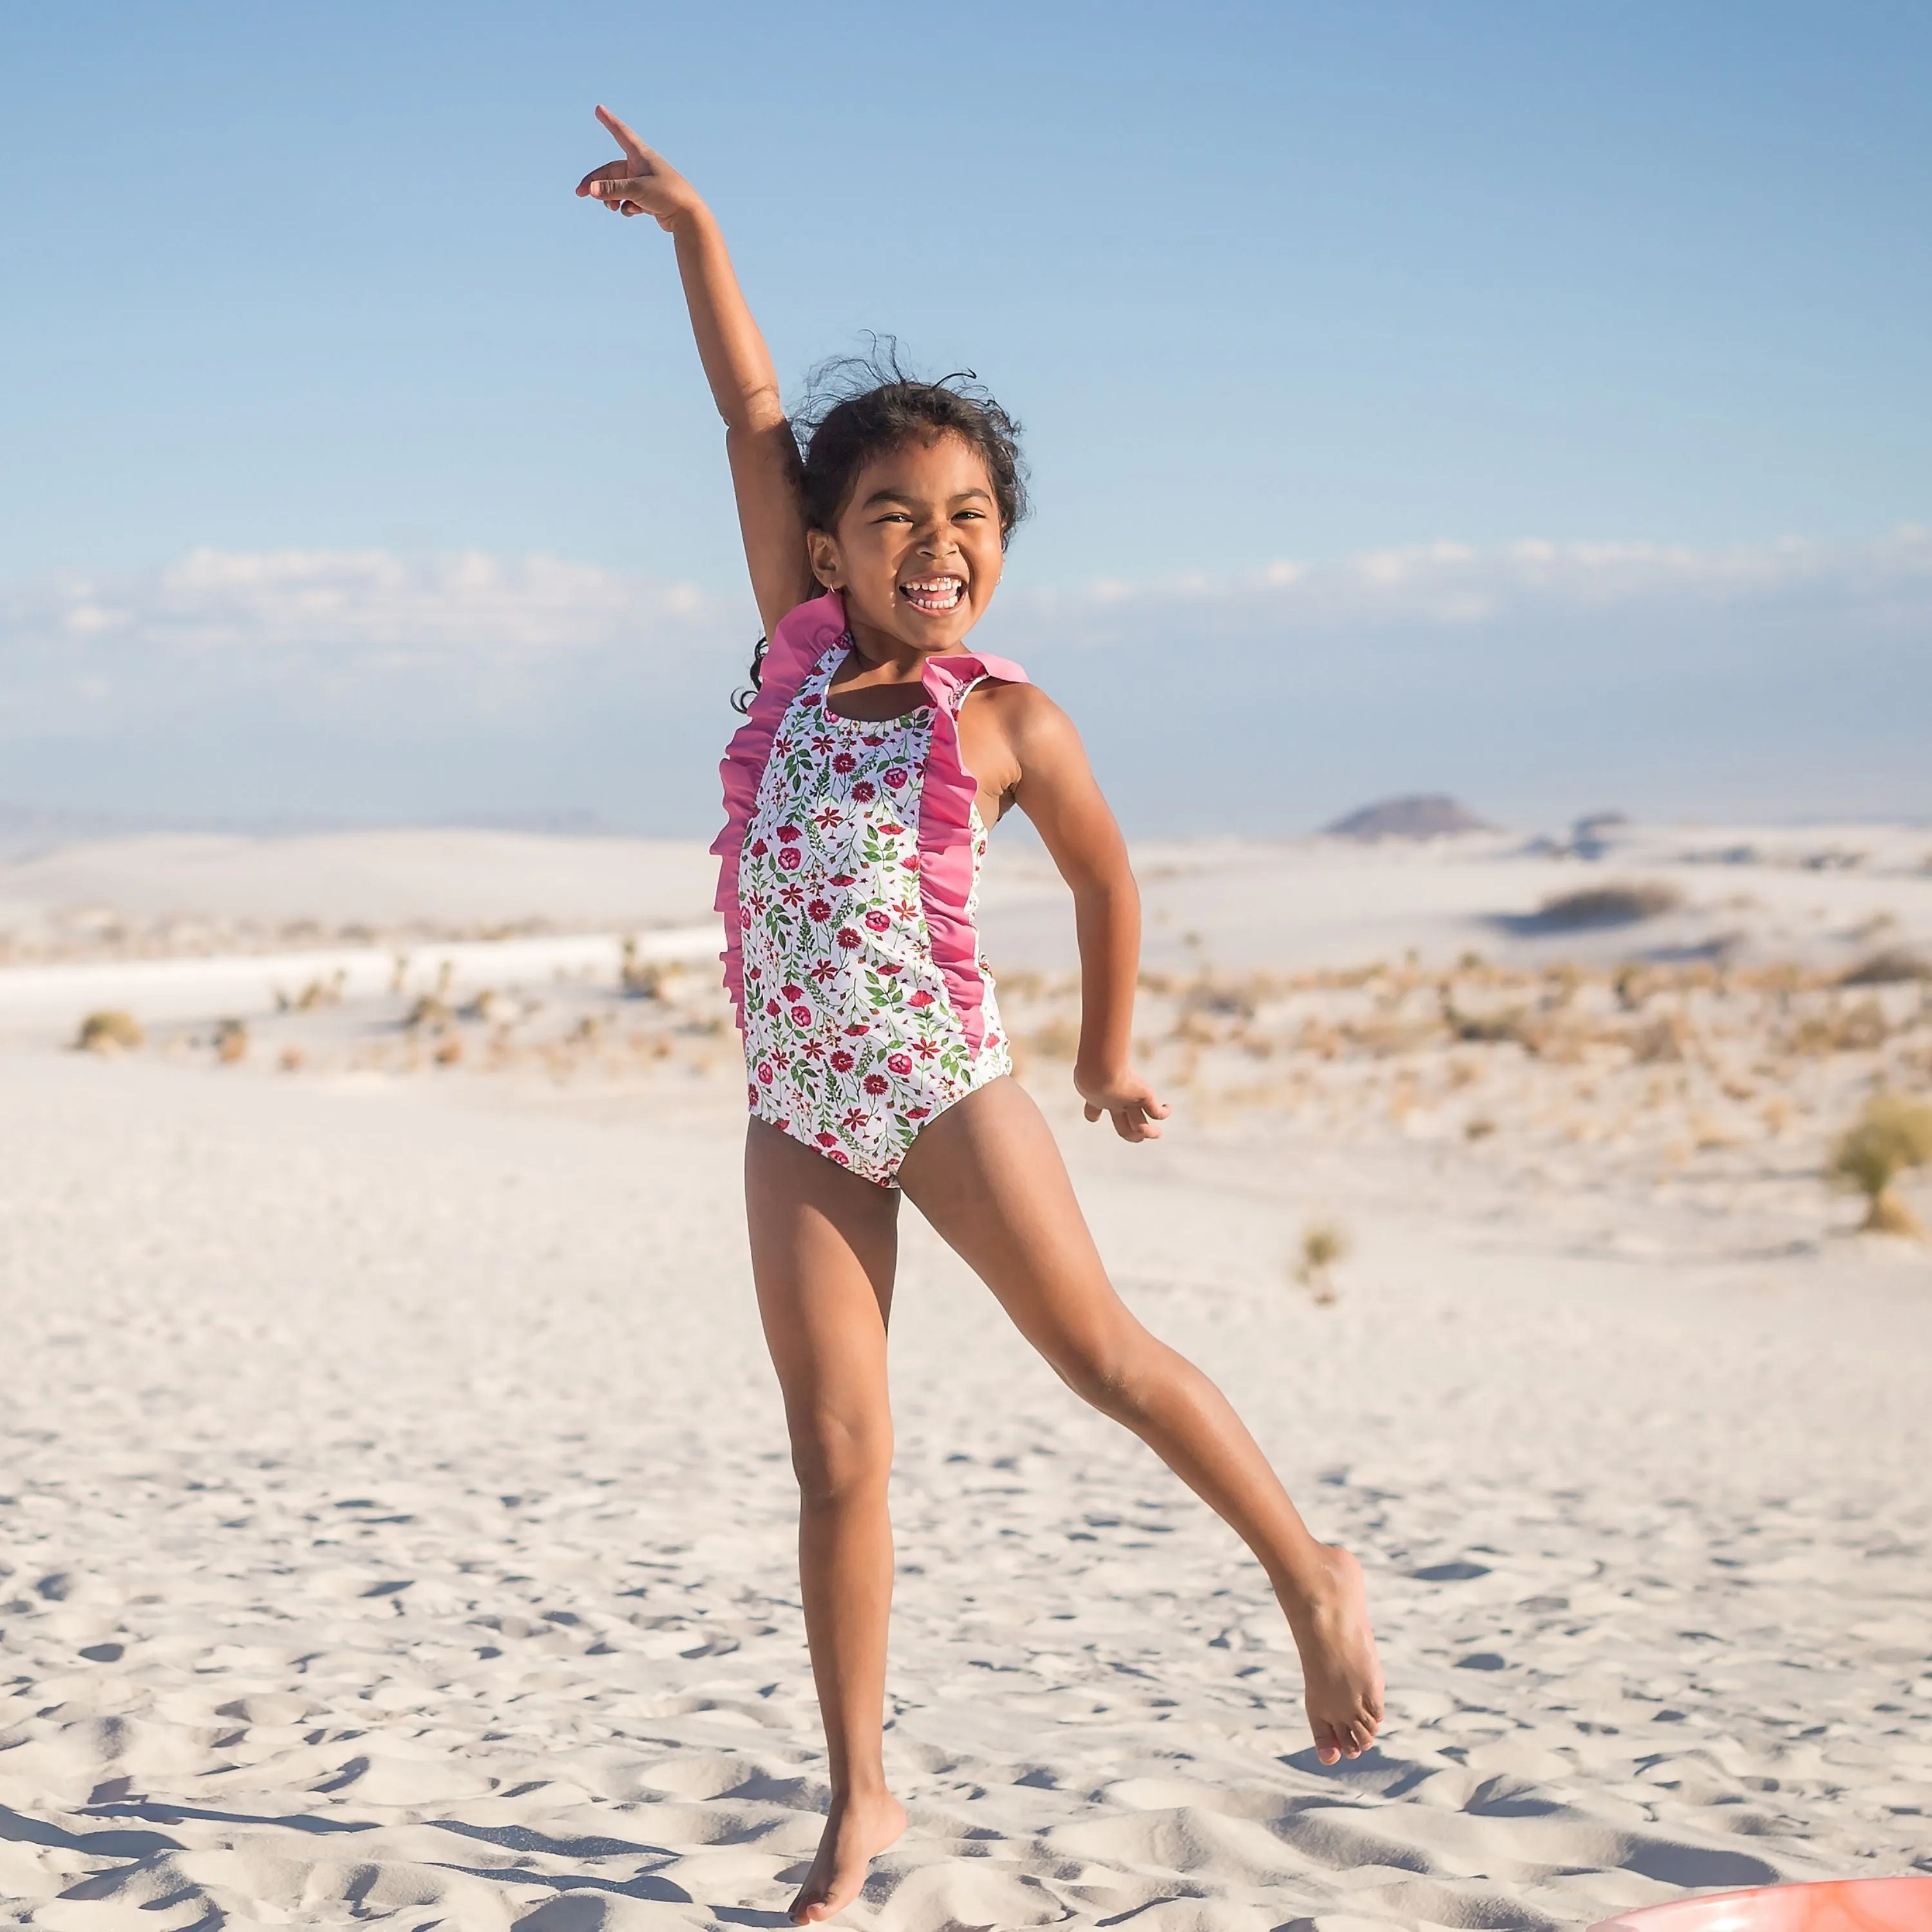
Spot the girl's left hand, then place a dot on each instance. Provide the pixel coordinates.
(643, 183)
(1128, 1101)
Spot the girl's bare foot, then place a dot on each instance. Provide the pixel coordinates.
(1342, 1677)
(856, 1831)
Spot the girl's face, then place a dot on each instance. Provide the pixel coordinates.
(917, 548)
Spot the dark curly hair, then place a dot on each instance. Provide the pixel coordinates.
(857, 407)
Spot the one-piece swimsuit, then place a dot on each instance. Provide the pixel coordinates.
(849, 887)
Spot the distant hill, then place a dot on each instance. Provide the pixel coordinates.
(1426, 816)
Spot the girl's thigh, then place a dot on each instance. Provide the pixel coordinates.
(988, 1176)
(824, 1245)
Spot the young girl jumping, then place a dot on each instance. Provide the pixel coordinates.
(875, 753)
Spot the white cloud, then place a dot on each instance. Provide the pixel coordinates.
(1797, 672)
(1455, 584)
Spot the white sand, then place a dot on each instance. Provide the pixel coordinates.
(399, 1526)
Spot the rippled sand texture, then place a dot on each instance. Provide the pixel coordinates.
(398, 1529)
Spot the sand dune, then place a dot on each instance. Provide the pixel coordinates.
(397, 1526)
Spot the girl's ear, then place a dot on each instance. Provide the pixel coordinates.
(822, 552)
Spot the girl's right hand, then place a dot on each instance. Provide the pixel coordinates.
(642, 183)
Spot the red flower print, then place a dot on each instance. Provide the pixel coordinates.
(896, 776)
(844, 763)
(917, 1113)
(755, 903)
(784, 1125)
(825, 1139)
(875, 738)
(791, 859)
(842, 1062)
(822, 742)
(772, 1007)
(806, 704)
(820, 909)
(898, 1063)
(788, 835)
(877, 920)
(792, 992)
(842, 879)
(864, 791)
(889, 970)
(765, 1072)
(751, 1095)
(801, 1015)
(905, 909)
(792, 895)
(781, 743)
(855, 1117)
(847, 937)
(925, 1049)
(813, 1048)
(892, 831)
(839, 1155)
(856, 1028)
(760, 849)
(827, 817)
(921, 998)
(823, 970)
(875, 1083)
(910, 862)
(753, 972)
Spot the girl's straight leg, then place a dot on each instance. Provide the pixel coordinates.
(988, 1176)
(824, 1247)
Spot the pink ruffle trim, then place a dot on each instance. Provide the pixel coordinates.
(803, 638)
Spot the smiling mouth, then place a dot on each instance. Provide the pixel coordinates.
(934, 595)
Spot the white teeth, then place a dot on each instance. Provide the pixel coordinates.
(942, 592)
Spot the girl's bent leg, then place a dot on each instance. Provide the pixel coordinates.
(824, 1247)
(988, 1175)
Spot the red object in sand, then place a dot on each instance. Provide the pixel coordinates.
(1842, 1905)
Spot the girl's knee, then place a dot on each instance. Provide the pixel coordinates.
(1111, 1372)
(837, 1461)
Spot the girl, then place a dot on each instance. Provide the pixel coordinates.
(876, 751)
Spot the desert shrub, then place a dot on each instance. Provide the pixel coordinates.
(1512, 1023)
(231, 1041)
(1057, 1038)
(1890, 967)
(1852, 1030)
(1892, 1134)
(1663, 1039)
(110, 1031)
(1323, 1245)
(1625, 903)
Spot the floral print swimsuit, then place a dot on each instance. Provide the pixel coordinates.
(853, 1040)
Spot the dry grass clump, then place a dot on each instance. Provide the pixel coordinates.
(1625, 903)
(1856, 1029)
(110, 1031)
(1055, 1038)
(1891, 967)
(317, 993)
(1323, 1244)
(1893, 1134)
(231, 1041)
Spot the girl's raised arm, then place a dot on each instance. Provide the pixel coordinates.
(744, 385)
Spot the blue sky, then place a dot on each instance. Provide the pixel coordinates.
(1274, 283)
